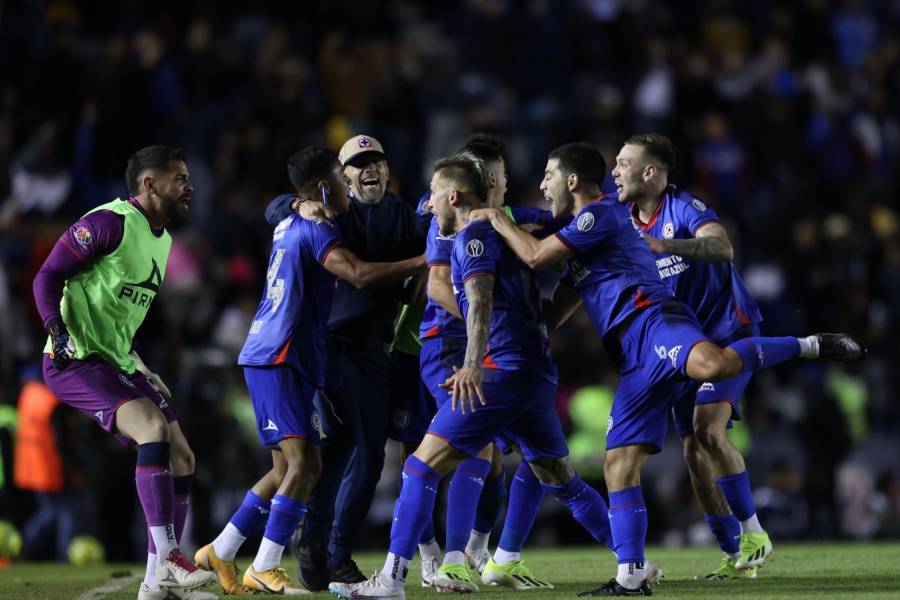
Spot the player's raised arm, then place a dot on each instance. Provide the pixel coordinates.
(467, 381)
(361, 274)
(710, 244)
(533, 252)
(440, 289)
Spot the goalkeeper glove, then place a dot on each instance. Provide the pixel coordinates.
(152, 377)
(62, 350)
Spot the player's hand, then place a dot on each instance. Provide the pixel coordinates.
(152, 377)
(657, 246)
(465, 388)
(312, 211)
(63, 349)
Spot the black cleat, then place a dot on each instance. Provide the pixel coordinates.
(840, 346)
(312, 559)
(347, 572)
(612, 588)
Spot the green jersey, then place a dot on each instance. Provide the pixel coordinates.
(104, 305)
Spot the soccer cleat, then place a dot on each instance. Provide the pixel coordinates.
(273, 581)
(478, 559)
(347, 572)
(178, 572)
(840, 346)
(374, 589)
(226, 571)
(613, 588)
(514, 574)
(455, 577)
(727, 570)
(430, 566)
(145, 593)
(653, 574)
(312, 569)
(755, 547)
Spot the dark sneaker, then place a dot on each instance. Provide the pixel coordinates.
(840, 346)
(612, 588)
(312, 559)
(347, 572)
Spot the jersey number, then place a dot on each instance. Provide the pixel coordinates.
(275, 287)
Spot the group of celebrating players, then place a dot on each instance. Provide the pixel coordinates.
(469, 376)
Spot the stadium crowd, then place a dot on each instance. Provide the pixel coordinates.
(784, 116)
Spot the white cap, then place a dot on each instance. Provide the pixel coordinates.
(357, 145)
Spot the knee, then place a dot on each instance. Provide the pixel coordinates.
(182, 459)
(622, 468)
(693, 452)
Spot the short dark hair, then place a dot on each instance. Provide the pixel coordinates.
(657, 146)
(151, 157)
(583, 159)
(466, 169)
(487, 147)
(310, 165)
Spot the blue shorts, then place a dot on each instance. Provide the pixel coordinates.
(520, 405)
(436, 361)
(412, 405)
(729, 390)
(284, 403)
(655, 348)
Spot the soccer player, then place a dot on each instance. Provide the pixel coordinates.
(657, 340)
(499, 299)
(93, 292)
(377, 226)
(478, 480)
(693, 256)
(284, 366)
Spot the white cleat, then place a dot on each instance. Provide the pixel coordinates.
(145, 593)
(430, 565)
(478, 559)
(654, 575)
(177, 572)
(374, 588)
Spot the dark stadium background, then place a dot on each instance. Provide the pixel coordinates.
(784, 116)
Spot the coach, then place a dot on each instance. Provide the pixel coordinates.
(378, 227)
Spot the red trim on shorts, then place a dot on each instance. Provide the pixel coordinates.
(488, 362)
(292, 435)
(435, 331)
(640, 301)
(744, 319)
(282, 356)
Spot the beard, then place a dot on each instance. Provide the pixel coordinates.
(175, 212)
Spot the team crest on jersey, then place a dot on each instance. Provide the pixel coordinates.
(474, 248)
(401, 419)
(668, 231)
(83, 235)
(698, 205)
(585, 222)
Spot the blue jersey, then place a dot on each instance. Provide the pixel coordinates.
(714, 290)
(613, 269)
(518, 334)
(289, 326)
(438, 247)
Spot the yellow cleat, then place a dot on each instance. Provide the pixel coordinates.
(226, 571)
(273, 581)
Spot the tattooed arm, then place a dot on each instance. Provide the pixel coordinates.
(465, 383)
(710, 244)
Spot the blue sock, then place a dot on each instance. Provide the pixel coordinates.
(628, 522)
(491, 503)
(414, 506)
(462, 499)
(762, 352)
(737, 491)
(251, 515)
(587, 507)
(284, 516)
(726, 528)
(525, 495)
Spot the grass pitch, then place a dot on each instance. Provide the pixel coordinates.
(845, 570)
